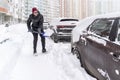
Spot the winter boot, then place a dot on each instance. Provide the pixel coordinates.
(43, 50)
(35, 53)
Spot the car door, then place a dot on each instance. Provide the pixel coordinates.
(95, 47)
(113, 56)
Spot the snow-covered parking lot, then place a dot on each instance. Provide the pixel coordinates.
(18, 63)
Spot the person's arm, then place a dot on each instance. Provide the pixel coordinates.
(28, 23)
(41, 22)
(41, 29)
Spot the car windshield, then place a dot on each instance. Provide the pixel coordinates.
(68, 20)
(102, 27)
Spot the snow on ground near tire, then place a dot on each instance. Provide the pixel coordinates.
(20, 64)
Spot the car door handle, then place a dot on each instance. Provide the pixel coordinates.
(116, 56)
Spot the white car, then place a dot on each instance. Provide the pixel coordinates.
(46, 25)
(63, 28)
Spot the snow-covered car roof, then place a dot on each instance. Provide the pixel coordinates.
(110, 15)
(63, 18)
(87, 21)
(57, 20)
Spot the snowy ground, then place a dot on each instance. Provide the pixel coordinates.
(18, 63)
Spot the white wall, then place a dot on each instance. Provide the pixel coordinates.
(96, 7)
(116, 5)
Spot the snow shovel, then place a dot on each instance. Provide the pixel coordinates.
(43, 34)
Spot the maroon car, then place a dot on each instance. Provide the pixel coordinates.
(98, 47)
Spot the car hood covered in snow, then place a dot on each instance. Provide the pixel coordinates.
(77, 31)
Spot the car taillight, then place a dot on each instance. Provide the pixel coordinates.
(60, 26)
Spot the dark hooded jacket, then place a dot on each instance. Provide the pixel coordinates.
(35, 22)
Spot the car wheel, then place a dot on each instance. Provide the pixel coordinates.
(55, 39)
(75, 51)
(71, 50)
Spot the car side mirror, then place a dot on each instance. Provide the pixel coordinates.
(88, 28)
(85, 32)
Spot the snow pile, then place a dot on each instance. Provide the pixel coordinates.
(3, 35)
(3, 29)
(14, 32)
(10, 47)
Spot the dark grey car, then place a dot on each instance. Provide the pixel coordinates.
(98, 48)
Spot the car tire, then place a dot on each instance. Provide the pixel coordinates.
(55, 38)
(71, 50)
(75, 51)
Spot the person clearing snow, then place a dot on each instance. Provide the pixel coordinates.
(36, 19)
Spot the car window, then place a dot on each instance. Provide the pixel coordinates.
(118, 38)
(102, 27)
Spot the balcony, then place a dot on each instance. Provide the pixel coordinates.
(3, 10)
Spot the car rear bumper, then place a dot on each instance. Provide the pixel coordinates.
(65, 36)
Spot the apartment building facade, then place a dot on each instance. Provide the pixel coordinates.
(3, 11)
(49, 8)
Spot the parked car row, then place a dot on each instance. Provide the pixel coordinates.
(96, 42)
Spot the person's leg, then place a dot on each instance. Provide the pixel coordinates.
(43, 43)
(42, 39)
(35, 36)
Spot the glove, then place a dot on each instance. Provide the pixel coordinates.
(42, 33)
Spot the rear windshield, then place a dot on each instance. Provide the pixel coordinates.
(69, 20)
